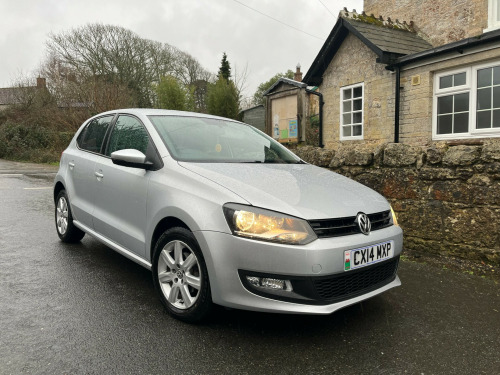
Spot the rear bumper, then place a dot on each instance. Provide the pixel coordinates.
(229, 259)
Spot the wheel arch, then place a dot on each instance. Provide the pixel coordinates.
(57, 189)
(162, 226)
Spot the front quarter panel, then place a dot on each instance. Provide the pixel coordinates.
(181, 194)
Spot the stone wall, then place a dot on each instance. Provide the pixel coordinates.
(446, 195)
(440, 22)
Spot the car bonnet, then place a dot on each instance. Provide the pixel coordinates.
(301, 190)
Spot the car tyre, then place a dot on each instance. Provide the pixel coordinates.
(180, 275)
(66, 230)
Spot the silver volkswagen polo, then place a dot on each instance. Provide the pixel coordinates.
(221, 213)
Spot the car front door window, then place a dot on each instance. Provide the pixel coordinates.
(128, 133)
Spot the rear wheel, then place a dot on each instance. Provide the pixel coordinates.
(66, 230)
(180, 276)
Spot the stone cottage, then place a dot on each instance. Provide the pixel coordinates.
(412, 109)
(423, 71)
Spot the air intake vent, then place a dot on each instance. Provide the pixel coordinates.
(349, 285)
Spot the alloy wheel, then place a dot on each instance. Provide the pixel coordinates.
(62, 215)
(179, 274)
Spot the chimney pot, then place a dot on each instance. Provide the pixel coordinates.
(41, 83)
(298, 74)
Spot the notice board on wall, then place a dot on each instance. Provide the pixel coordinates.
(284, 118)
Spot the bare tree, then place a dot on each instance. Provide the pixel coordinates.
(240, 79)
(120, 57)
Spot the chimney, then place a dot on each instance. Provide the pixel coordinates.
(298, 74)
(41, 83)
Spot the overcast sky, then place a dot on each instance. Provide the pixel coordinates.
(203, 28)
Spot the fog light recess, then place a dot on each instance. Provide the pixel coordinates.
(270, 283)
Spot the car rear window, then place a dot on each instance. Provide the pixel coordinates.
(92, 136)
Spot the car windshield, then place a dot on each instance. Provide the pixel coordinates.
(199, 139)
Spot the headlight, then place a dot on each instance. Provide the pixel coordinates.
(394, 218)
(264, 225)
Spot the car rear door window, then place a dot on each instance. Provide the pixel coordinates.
(92, 137)
(128, 133)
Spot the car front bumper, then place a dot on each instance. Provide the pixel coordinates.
(229, 259)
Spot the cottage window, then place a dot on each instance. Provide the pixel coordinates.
(493, 15)
(467, 103)
(351, 112)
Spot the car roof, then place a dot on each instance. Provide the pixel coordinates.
(162, 112)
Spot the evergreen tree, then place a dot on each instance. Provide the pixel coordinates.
(225, 69)
(222, 98)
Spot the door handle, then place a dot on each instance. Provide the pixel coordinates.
(71, 165)
(98, 175)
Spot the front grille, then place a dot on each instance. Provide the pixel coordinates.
(346, 225)
(353, 283)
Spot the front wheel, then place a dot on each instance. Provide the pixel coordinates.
(180, 276)
(66, 230)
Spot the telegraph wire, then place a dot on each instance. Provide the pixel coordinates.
(329, 11)
(274, 19)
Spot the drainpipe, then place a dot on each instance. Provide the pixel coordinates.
(321, 102)
(396, 105)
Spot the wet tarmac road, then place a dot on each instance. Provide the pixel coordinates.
(84, 309)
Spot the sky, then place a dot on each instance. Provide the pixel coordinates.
(254, 39)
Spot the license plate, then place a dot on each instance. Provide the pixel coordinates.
(365, 256)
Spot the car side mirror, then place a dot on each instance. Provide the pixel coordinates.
(131, 158)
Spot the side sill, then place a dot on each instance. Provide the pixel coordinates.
(119, 249)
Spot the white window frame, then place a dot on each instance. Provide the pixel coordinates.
(341, 106)
(493, 16)
(488, 131)
(470, 87)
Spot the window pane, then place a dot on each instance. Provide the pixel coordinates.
(496, 119)
(459, 79)
(484, 98)
(444, 124)
(347, 106)
(461, 123)
(93, 135)
(484, 77)
(496, 97)
(445, 82)
(356, 118)
(461, 102)
(128, 133)
(352, 111)
(483, 120)
(496, 73)
(445, 104)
